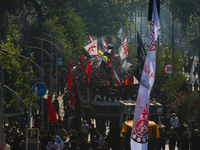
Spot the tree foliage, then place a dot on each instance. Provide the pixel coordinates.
(15, 75)
(190, 104)
(103, 17)
(170, 84)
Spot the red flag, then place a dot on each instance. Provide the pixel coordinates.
(126, 80)
(91, 40)
(108, 63)
(81, 59)
(69, 79)
(113, 51)
(88, 71)
(131, 81)
(117, 79)
(72, 98)
(51, 112)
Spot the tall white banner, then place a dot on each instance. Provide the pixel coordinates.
(139, 134)
(123, 53)
(92, 48)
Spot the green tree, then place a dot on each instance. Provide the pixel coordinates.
(103, 17)
(170, 84)
(188, 108)
(16, 75)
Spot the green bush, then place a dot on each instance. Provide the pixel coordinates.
(188, 108)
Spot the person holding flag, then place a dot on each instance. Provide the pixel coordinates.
(139, 133)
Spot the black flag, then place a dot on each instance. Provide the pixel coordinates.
(141, 55)
(151, 9)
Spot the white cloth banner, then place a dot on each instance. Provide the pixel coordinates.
(192, 71)
(92, 48)
(139, 134)
(123, 53)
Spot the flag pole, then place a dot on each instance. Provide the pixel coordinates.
(173, 39)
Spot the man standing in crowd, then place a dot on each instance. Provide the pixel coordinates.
(174, 121)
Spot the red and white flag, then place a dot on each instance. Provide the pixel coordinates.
(92, 48)
(139, 134)
(104, 46)
(117, 79)
(123, 53)
(133, 80)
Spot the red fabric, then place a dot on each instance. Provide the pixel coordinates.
(51, 112)
(131, 81)
(88, 71)
(81, 59)
(72, 98)
(126, 80)
(118, 82)
(69, 79)
(91, 40)
(108, 64)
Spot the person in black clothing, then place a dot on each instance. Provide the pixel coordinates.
(162, 140)
(92, 130)
(74, 139)
(172, 139)
(83, 145)
(184, 142)
(113, 137)
(67, 147)
(94, 142)
(65, 99)
(195, 140)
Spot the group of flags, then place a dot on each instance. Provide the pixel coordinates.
(145, 73)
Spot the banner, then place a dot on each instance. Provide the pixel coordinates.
(139, 133)
(123, 53)
(103, 101)
(92, 48)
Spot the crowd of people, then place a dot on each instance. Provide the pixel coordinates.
(75, 133)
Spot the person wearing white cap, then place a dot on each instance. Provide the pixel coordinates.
(174, 121)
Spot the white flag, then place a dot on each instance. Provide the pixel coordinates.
(192, 71)
(120, 34)
(92, 48)
(139, 134)
(123, 53)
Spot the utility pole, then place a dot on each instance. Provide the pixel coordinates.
(42, 99)
(29, 90)
(51, 71)
(173, 63)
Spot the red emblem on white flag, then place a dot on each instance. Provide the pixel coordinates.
(92, 48)
(141, 129)
(123, 53)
